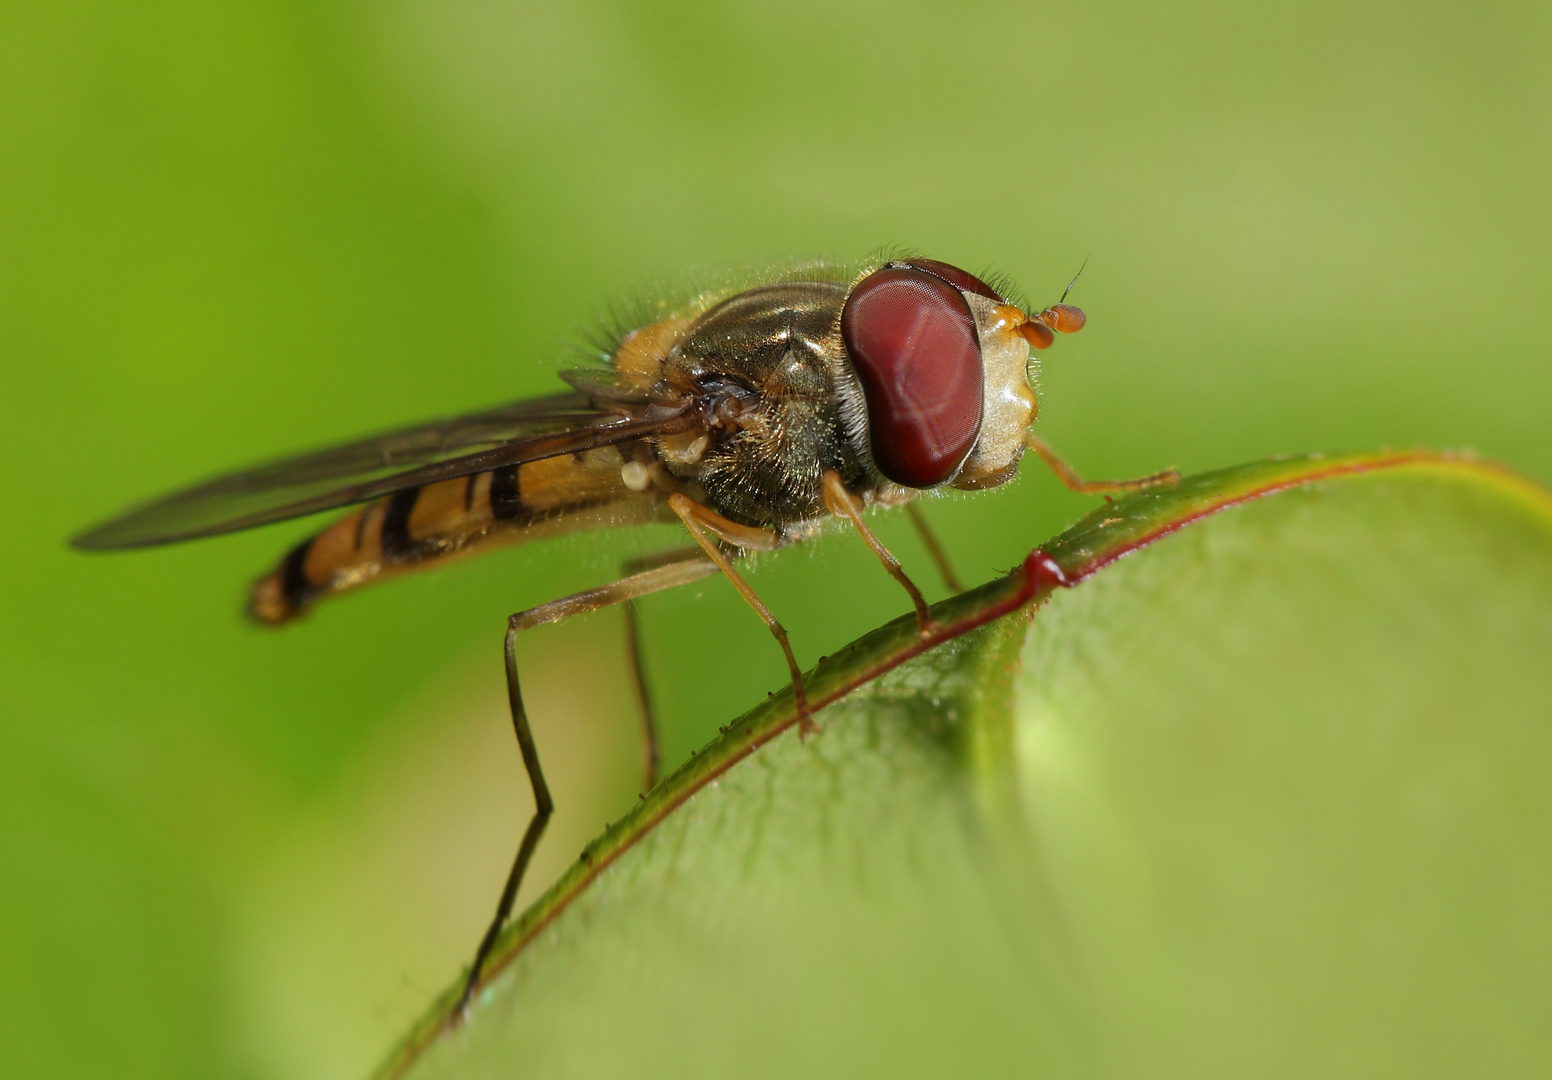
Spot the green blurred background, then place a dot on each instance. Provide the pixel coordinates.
(233, 230)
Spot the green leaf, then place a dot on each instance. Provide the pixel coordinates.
(1265, 798)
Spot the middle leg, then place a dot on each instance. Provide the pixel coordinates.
(843, 504)
(704, 523)
(929, 540)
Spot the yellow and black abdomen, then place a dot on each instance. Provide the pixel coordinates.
(431, 524)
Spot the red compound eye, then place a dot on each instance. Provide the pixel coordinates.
(953, 275)
(913, 343)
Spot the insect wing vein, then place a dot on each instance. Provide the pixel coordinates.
(370, 468)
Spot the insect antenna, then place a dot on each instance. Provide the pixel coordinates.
(1060, 317)
(1074, 280)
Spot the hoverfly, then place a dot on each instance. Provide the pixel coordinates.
(752, 416)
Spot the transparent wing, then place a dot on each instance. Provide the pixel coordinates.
(441, 450)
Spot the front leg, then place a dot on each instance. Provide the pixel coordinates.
(1069, 476)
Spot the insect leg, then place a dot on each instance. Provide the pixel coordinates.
(651, 754)
(629, 588)
(843, 504)
(1069, 476)
(930, 540)
(701, 521)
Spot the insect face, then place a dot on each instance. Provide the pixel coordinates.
(942, 362)
(1008, 405)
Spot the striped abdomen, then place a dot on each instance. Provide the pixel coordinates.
(439, 521)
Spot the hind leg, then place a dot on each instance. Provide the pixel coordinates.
(651, 752)
(626, 589)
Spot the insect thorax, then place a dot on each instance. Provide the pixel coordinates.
(762, 366)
